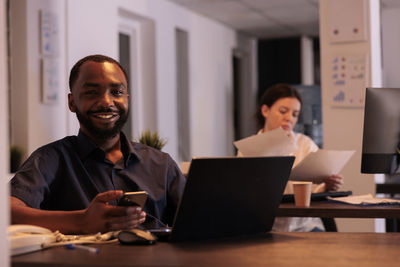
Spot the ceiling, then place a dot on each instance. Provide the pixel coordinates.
(265, 18)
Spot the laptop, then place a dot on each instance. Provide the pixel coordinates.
(230, 196)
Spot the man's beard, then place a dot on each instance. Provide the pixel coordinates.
(102, 134)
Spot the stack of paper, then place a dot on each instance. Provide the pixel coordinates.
(315, 167)
(367, 199)
(272, 143)
(320, 164)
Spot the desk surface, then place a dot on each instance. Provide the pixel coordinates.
(273, 249)
(334, 210)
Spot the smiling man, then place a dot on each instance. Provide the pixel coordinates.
(73, 185)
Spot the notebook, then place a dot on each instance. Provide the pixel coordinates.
(230, 196)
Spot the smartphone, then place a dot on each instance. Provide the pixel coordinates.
(133, 199)
(162, 234)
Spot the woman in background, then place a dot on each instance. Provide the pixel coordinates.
(280, 107)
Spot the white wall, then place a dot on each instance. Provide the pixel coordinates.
(34, 123)
(211, 89)
(390, 47)
(248, 78)
(307, 61)
(342, 126)
(4, 156)
(90, 27)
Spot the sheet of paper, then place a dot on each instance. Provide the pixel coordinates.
(272, 143)
(320, 164)
(367, 199)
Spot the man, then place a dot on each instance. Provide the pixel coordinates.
(73, 185)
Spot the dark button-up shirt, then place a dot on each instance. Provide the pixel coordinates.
(67, 174)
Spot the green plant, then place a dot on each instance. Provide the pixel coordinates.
(152, 139)
(16, 154)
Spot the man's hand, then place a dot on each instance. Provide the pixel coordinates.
(333, 182)
(102, 217)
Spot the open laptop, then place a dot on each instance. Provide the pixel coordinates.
(230, 196)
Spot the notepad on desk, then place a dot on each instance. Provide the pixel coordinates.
(365, 200)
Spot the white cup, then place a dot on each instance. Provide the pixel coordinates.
(302, 193)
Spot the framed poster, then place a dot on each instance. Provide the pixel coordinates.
(348, 80)
(49, 33)
(49, 79)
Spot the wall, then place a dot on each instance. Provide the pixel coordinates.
(211, 88)
(307, 61)
(390, 47)
(33, 122)
(248, 78)
(4, 160)
(91, 26)
(342, 126)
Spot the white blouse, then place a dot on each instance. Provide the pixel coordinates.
(298, 224)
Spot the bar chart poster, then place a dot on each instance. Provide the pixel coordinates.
(349, 79)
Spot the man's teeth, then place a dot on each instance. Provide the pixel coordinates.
(104, 116)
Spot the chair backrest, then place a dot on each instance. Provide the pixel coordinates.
(185, 165)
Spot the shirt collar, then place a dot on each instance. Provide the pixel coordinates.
(128, 148)
(85, 147)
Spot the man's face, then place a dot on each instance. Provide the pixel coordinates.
(99, 98)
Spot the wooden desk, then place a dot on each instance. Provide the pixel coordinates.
(275, 249)
(327, 209)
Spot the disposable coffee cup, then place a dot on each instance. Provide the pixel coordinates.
(302, 193)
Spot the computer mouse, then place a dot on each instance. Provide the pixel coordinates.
(136, 237)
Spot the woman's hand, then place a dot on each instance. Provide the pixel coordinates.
(333, 182)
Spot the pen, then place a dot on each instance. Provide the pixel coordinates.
(90, 249)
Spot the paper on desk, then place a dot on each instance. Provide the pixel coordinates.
(320, 164)
(367, 199)
(271, 143)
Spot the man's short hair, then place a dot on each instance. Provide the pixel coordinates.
(73, 76)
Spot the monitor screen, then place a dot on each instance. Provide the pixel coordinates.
(381, 136)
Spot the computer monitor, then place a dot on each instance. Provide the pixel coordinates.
(381, 136)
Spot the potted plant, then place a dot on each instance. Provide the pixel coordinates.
(152, 139)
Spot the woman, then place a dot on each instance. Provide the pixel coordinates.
(280, 107)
